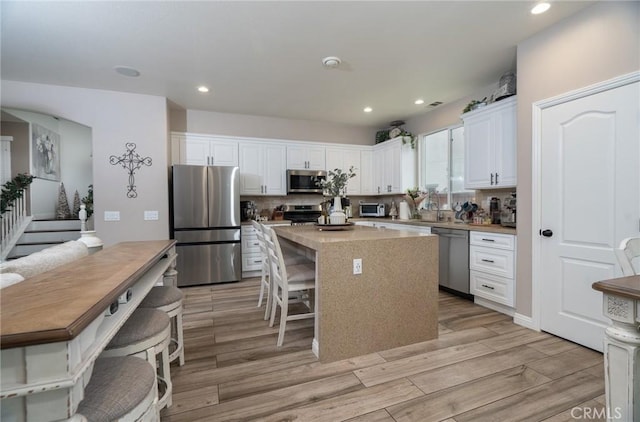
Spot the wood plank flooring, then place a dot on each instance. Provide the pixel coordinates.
(481, 368)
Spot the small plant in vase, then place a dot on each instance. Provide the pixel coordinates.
(335, 185)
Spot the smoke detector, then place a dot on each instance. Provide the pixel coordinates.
(331, 62)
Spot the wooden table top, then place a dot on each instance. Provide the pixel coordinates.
(57, 305)
(623, 286)
(311, 237)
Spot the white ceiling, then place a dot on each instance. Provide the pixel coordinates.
(264, 58)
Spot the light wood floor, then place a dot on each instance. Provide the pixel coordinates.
(481, 368)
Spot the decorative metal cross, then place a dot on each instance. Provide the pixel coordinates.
(131, 161)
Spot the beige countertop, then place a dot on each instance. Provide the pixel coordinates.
(492, 228)
(313, 238)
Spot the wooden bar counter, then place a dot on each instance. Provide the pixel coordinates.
(621, 304)
(54, 325)
(394, 302)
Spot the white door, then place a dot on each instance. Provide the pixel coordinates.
(590, 201)
(195, 152)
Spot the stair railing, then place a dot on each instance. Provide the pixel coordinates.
(13, 224)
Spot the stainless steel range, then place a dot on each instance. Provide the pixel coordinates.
(302, 214)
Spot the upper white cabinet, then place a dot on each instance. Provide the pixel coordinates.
(204, 150)
(302, 157)
(263, 168)
(490, 146)
(368, 183)
(395, 167)
(343, 159)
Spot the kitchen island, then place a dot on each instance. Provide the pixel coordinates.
(56, 324)
(394, 302)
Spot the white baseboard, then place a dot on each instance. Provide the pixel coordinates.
(494, 305)
(315, 347)
(525, 321)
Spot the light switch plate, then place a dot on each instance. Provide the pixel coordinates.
(151, 215)
(112, 216)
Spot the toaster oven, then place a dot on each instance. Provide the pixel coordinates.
(371, 210)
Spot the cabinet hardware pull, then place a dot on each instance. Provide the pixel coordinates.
(488, 240)
(491, 179)
(256, 244)
(488, 287)
(257, 262)
(496, 178)
(488, 260)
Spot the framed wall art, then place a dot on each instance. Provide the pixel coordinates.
(45, 153)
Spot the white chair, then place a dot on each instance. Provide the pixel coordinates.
(286, 279)
(628, 255)
(290, 258)
(264, 269)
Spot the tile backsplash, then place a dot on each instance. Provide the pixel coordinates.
(266, 204)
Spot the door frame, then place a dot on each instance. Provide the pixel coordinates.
(536, 161)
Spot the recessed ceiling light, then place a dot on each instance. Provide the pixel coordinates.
(331, 62)
(127, 71)
(203, 89)
(540, 8)
(367, 110)
(418, 102)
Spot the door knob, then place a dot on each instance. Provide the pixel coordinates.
(546, 233)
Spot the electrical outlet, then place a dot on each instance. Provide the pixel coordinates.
(112, 216)
(357, 266)
(151, 215)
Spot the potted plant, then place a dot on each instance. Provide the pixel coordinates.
(335, 185)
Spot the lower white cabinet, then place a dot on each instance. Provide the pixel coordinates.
(251, 256)
(492, 269)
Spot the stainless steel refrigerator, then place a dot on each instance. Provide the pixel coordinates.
(205, 221)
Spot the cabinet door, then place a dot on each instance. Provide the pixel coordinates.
(379, 180)
(316, 158)
(224, 153)
(301, 157)
(251, 169)
(296, 158)
(195, 151)
(368, 184)
(275, 166)
(343, 159)
(478, 152)
(505, 147)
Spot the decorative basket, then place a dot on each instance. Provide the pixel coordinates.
(506, 86)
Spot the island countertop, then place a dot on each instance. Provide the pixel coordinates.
(313, 238)
(393, 302)
(57, 305)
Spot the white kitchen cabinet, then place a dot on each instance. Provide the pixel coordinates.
(305, 157)
(343, 159)
(262, 168)
(368, 182)
(251, 255)
(492, 270)
(490, 146)
(394, 165)
(204, 150)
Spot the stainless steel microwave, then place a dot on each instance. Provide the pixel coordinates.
(371, 210)
(305, 181)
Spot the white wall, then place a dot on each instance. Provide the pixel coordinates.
(597, 44)
(271, 127)
(114, 118)
(75, 163)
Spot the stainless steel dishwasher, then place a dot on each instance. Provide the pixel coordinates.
(454, 260)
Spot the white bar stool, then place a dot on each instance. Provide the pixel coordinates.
(146, 334)
(120, 389)
(169, 299)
